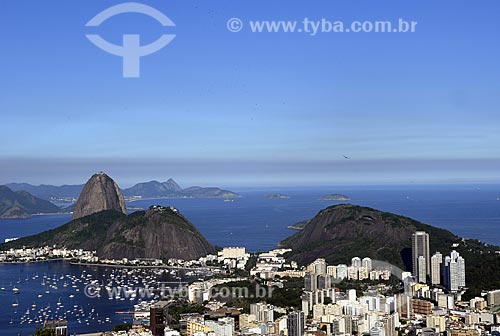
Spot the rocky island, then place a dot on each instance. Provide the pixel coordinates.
(335, 197)
(100, 224)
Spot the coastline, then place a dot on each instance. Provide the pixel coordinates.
(31, 262)
(105, 265)
(174, 197)
(206, 268)
(37, 215)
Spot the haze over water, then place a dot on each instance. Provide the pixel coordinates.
(259, 223)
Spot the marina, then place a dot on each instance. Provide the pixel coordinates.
(59, 290)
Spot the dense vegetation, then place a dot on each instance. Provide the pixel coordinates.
(160, 232)
(75, 234)
(178, 308)
(288, 296)
(123, 327)
(44, 332)
(341, 232)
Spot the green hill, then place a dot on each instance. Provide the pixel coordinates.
(159, 232)
(341, 232)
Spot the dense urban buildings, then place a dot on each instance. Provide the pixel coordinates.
(448, 271)
(423, 305)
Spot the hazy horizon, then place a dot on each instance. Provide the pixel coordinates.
(268, 175)
(245, 108)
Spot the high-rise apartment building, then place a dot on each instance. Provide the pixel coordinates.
(367, 263)
(318, 266)
(331, 271)
(454, 271)
(158, 317)
(420, 248)
(295, 323)
(262, 312)
(341, 271)
(422, 270)
(436, 265)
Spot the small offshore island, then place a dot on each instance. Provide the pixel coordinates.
(335, 197)
(277, 196)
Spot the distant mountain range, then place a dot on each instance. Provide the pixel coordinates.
(170, 188)
(21, 204)
(48, 192)
(152, 189)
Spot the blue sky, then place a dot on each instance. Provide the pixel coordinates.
(216, 107)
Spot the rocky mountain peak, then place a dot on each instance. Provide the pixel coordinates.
(172, 185)
(99, 193)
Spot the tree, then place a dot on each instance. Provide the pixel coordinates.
(45, 332)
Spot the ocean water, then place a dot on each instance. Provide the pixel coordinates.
(259, 223)
(251, 221)
(56, 289)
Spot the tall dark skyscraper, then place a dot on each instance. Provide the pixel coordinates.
(295, 323)
(420, 248)
(158, 316)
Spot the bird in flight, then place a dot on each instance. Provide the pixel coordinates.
(346, 157)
